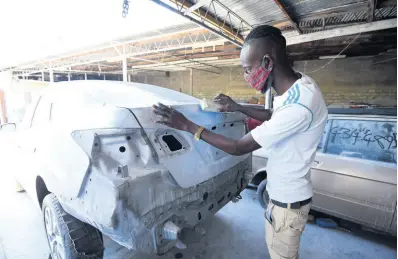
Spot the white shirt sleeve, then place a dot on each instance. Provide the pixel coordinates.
(284, 123)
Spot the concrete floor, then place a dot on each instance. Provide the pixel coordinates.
(236, 232)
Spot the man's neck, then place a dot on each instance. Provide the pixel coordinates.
(283, 80)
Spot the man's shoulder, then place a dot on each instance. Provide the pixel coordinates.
(299, 93)
(305, 93)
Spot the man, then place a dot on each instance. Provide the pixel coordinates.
(291, 132)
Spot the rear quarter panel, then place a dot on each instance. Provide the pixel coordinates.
(201, 161)
(63, 162)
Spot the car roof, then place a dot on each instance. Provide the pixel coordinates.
(118, 93)
(364, 111)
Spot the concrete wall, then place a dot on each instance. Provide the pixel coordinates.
(343, 80)
(15, 95)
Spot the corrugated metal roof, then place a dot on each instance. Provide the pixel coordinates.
(160, 31)
(315, 25)
(252, 11)
(309, 14)
(302, 7)
(256, 12)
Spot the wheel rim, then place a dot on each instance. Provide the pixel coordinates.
(53, 235)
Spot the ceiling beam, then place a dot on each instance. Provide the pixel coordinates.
(292, 21)
(196, 6)
(325, 13)
(207, 21)
(104, 48)
(371, 10)
(344, 31)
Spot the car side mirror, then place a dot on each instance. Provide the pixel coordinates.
(8, 127)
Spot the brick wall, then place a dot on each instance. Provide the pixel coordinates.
(343, 80)
(353, 79)
(230, 82)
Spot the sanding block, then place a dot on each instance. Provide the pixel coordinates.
(209, 105)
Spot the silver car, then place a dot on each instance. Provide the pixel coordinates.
(93, 159)
(354, 174)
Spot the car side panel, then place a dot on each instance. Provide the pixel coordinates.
(356, 189)
(393, 226)
(62, 158)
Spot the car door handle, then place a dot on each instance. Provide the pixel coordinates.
(316, 162)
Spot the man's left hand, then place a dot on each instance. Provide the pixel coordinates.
(170, 117)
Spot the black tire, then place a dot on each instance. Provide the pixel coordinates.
(79, 240)
(262, 194)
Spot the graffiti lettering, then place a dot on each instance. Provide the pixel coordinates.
(386, 141)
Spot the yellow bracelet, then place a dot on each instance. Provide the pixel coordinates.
(198, 133)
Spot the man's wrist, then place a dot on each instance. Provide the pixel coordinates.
(240, 108)
(192, 127)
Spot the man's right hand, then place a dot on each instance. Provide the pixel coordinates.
(226, 103)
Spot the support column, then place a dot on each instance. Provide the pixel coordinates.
(124, 64)
(3, 118)
(9, 109)
(85, 76)
(51, 75)
(104, 77)
(191, 81)
(68, 76)
(42, 76)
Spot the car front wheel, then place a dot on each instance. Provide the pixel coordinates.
(68, 237)
(262, 194)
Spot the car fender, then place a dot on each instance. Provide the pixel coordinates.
(62, 164)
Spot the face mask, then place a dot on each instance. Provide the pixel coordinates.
(258, 78)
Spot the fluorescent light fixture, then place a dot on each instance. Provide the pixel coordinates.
(331, 57)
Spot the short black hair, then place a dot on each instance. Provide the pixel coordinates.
(263, 31)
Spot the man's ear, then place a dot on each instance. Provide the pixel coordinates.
(270, 59)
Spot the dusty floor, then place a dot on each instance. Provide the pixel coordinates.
(236, 232)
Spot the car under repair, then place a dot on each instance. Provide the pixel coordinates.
(108, 164)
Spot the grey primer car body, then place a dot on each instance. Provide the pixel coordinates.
(354, 174)
(95, 144)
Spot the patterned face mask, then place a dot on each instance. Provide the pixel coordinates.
(258, 78)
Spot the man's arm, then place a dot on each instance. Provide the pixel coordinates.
(257, 114)
(229, 105)
(234, 147)
(177, 120)
(284, 124)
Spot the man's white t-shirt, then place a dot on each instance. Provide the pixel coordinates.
(291, 136)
